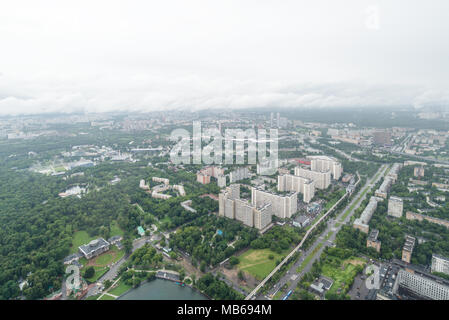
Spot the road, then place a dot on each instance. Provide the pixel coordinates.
(309, 231)
(326, 238)
(113, 270)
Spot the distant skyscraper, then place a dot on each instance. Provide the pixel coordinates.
(382, 138)
(278, 122)
(271, 119)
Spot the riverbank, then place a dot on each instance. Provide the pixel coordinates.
(160, 289)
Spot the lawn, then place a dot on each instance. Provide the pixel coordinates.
(99, 271)
(60, 169)
(107, 297)
(342, 276)
(113, 255)
(80, 238)
(257, 263)
(115, 230)
(120, 289)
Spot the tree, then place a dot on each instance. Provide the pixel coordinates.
(128, 245)
(89, 273)
(233, 261)
(203, 266)
(107, 283)
(241, 275)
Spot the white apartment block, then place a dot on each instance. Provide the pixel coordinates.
(422, 286)
(395, 207)
(305, 186)
(282, 206)
(324, 163)
(232, 207)
(362, 223)
(221, 181)
(239, 174)
(262, 216)
(440, 264)
(322, 179)
(163, 180)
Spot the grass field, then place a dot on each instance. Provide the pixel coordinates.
(107, 297)
(120, 289)
(115, 230)
(113, 255)
(99, 271)
(344, 275)
(257, 262)
(80, 238)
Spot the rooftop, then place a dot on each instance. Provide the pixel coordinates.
(373, 235)
(93, 245)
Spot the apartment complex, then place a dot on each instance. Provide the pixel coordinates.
(204, 175)
(322, 179)
(325, 163)
(391, 178)
(283, 206)
(362, 222)
(239, 174)
(232, 207)
(420, 217)
(395, 207)
(440, 264)
(407, 250)
(305, 186)
(421, 287)
(418, 172)
(372, 242)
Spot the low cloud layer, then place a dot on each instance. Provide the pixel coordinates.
(145, 55)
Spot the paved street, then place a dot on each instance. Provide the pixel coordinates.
(324, 240)
(113, 271)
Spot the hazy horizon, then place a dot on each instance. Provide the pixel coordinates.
(142, 56)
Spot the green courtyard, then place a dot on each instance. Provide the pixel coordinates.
(257, 262)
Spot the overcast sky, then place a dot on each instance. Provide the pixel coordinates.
(155, 55)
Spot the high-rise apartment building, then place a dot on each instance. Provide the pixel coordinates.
(324, 163)
(395, 207)
(232, 207)
(322, 179)
(421, 287)
(440, 264)
(407, 250)
(305, 186)
(283, 206)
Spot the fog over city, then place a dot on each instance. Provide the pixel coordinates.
(161, 55)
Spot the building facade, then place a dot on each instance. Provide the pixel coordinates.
(232, 207)
(440, 264)
(305, 186)
(407, 250)
(395, 207)
(324, 163)
(422, 287)
(322, 179)
(283, 206)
